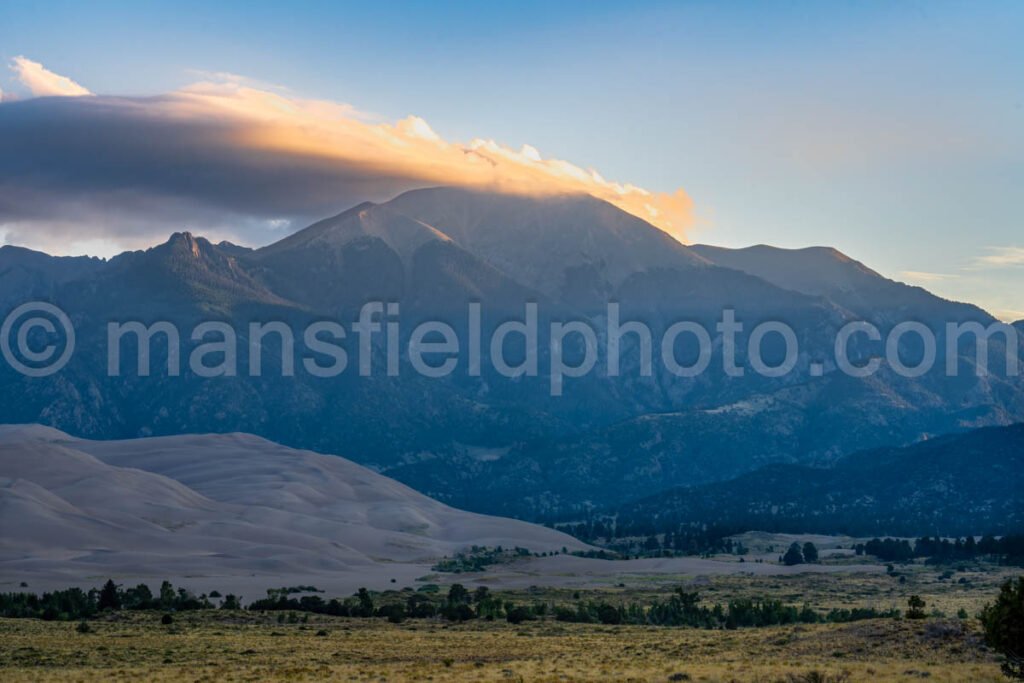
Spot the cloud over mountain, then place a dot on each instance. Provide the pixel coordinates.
(42, 82)
(243, 162)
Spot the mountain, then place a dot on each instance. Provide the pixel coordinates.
(964, 484)
(186, 270)
(818, 271)
(810, 424)
(572, 248)
(486, 441)
(827, 272)
(26, 275)
(225, 507)
(376, 253)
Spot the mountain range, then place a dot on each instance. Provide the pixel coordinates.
(961, 484)
(489, 443)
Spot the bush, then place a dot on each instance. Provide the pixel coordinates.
(393, 613)
(518, 615)
(462, 612)
(166, 620)
(916, 605)
(608, 614)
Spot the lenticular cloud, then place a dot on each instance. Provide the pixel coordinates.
(228, 155)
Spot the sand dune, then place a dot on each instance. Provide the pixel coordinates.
(238, 513)
(220, 508)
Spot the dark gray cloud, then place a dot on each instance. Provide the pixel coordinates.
(103, 167)
(236, 162)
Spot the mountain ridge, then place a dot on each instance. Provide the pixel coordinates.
(435, 251)
(959, 484)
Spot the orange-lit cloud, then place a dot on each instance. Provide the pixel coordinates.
(244, 161)
(42, 82)
(925, 277)
(1002, 257)
(410, 148)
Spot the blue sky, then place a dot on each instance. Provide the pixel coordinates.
(892, 131)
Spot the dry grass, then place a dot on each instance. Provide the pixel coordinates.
(243, 646)
(229, 647)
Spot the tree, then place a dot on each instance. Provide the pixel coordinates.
(109, 597)
(810, 553)
(419, 606)
(139, 597)
(231, 601)
(457, 594)
(167, 595)
(793, 555)
(365, 608)
(608, 614)
(459, 612)
(1003, 622)
(916, 605)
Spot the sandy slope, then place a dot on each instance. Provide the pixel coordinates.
(238, 513)
(221, 506)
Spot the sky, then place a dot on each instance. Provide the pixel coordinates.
(893, 131)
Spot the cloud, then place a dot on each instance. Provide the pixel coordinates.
(1001, 257)
(1009, 314)
(225, 158)
(926, 277)
(42, 82)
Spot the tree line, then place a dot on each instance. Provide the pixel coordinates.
(75, 603)
(459, 604)
(1005, 550)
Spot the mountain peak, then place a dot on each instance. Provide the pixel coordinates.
(187, 241)
(401, 233)
(818, 270)
(543, 240)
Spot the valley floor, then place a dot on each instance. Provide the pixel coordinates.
(235, 646)
(225, 645)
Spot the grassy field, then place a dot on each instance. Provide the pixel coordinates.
(220, 646)
(250, 646)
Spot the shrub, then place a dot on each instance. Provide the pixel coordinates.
(518, 615)
(608, 614)
(916, 605)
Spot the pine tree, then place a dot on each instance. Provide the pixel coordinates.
(916, 605)
(109, 597)
(793, 556)
(1003, 622)
(810, 553)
